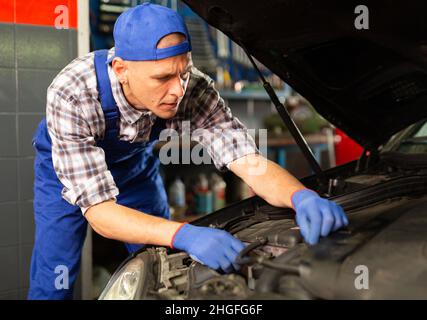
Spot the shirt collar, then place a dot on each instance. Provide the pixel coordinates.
(129, 113)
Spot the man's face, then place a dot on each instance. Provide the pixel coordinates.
(156, 85)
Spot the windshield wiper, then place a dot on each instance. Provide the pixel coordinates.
(293, 129)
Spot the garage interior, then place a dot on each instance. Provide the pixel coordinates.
(35, 46)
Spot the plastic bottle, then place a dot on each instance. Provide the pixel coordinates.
(218, 186)
(203, 196)
(177, 197)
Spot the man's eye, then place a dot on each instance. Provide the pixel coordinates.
(184, 76)
(163, 79)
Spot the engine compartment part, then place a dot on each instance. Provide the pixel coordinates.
(391, 248)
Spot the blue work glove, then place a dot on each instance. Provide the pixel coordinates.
(316, 216)
(212, 247)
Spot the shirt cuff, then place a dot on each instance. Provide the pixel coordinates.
(92, 191)
(84, 209)
(227, 166)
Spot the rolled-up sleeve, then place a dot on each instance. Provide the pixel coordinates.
(223, 135)
(78, 162)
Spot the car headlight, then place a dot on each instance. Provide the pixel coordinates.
(125, 283)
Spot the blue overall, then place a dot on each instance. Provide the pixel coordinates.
(60, 226)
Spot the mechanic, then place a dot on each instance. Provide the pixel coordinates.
(94, 153)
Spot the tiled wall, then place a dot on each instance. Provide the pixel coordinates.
(32, 52)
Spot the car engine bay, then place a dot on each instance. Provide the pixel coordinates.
(387, 208)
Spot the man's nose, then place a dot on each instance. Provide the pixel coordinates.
(177, 87)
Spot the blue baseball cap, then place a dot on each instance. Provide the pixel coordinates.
(138, 30)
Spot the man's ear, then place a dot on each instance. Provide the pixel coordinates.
(120, 68)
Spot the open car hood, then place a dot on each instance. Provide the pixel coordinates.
(370, 83)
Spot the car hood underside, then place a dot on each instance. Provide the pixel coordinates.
(354, 78)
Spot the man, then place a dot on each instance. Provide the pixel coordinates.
(94, 155)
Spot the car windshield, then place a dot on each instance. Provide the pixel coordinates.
(414, 139)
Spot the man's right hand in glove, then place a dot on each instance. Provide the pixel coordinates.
(212, 247)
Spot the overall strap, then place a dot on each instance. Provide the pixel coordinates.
(158, 126)
(108, 104)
